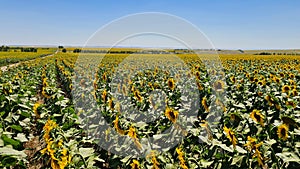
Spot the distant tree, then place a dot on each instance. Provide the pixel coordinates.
(60, 47)
(76, 50)
(64, 50)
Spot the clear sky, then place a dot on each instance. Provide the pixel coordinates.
(229, 24)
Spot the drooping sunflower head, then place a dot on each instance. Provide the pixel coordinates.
(35, 109)
(230, 135)
(291, 104)
(282, 132)
(197, 74)
(259, 93)
(171, 114)
(250, 143)
(104, 76)
(111, 104)
(295, 92)
(104, 96)
(138, 96)
(257, 117)
(171, 84)
(135, 164)
(204, 104)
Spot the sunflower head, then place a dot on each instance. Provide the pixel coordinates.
(295, 92)
(171, 84)
(232, 79)
(282, 132)
(171, 114)
(286, 88)
(281, 74)
(257, 117)
(219, 85)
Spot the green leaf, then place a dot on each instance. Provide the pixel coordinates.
(12, 152)
(9, 141)
(205, 163)
(237, 159)
(16, 127)
(86, 152)
(9, 161)
(21, 137)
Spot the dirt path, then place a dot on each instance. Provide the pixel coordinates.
(5, 68)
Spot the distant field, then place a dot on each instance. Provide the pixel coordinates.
(256, 97)
(10, 57)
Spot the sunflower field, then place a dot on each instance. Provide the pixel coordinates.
(94, 110)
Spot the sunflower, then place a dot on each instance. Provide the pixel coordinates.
(295, 92)
(171, 114)
(286, 88)
(135, 164)
(282, 132)
(104, 76)
(111, 104)
(116, 125)
(257, 117)
(289, 121)
(232, 79)
(138, 96)
(261, 82)
(104, 96)
(292, 76)
(251, 79)
(259, 157)
(281, 74)
(277, 106)
(132, 133)
(292, 82)
(219, 85)
(199, 85)
(181, 158)
(197, 74)
(291, 103)
(204, 104)
(276, 79)
(155, 163)
(230, 135)
(35, 109)
(124, 90)
(171, 84)
(259, 93)
(250, 143)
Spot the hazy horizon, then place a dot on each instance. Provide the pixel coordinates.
(246, 25)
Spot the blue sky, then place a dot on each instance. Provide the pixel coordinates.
(231, 24)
